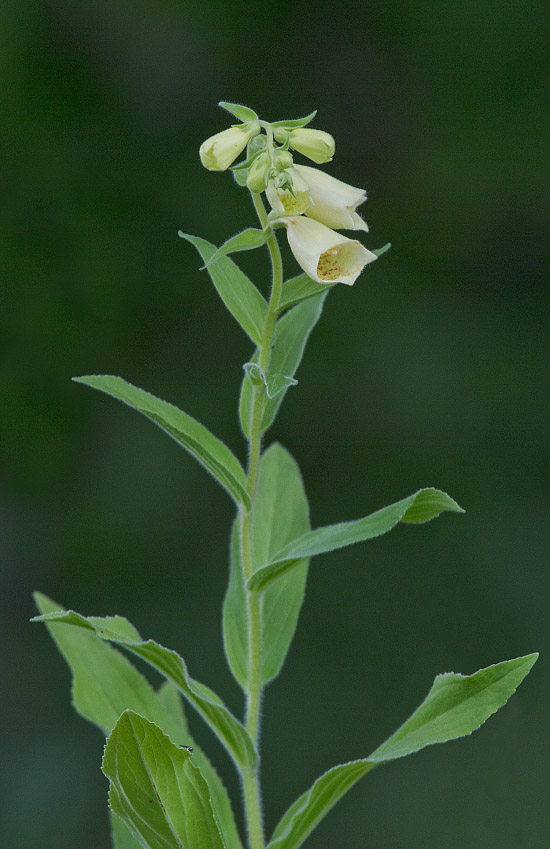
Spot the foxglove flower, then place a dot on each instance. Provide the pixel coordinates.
(325, 256)
(218, 152)
(333, 202)
(286, 202)
(315, 144)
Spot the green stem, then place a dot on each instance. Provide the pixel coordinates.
(250, 778)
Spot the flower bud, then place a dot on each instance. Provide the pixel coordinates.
(219, 151)
(282, 199)
(257, 173)
(315, 144)
(282, 160)
(325, 256)
(333, 202)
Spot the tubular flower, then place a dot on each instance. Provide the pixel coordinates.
(284, 201)
(219, 151)
(325, 256)
(315, 144)
(333, 202)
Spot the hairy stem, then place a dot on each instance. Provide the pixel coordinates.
(250, 778)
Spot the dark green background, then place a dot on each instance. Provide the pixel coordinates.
(432, 370)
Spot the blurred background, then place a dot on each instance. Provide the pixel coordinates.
(432, 370)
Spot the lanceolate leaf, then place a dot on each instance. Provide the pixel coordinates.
(248, 240)
(121, 836)
(295, 122)
(245, 303)
(210, 451)
(118, 630)
(424, 505)
(274, 383)
(280, 513)
(180, 735)
(455, 706)
(301, 288)
(291, 335)
(156, 790)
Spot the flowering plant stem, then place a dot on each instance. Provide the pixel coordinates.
(251, 777)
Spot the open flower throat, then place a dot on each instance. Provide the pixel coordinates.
(309, 203)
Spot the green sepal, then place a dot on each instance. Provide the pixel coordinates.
(156, 789)
(248, 240)
(243, 113)
(274, 383)
(382, 250)
(455, 706)
(240, 176)
(296, 122)
(290, 339)
(210, 451)
(208, 705)
(241, 297)
(420, 507)
(301, 288)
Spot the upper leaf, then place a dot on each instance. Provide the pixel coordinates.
(247, 240)
(301, 288)
(227, 728)
(156, 790)
(295, 122)
(280, 513)
(210, 451)
(243, 300)
(422, 506)
(455, 706)
(290, 339)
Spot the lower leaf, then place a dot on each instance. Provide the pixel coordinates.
(455, 706)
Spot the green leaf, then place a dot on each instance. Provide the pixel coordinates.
(243, 113)
(210, 451)
(455, 706)
(301, 288)
(121, 836)
(105, 683)
(219, 798)
(248, 240)
(280, 513)
(422, 506)
(155, 788)
(117, 630)
(291, 335)
(296, 122)
(274, 383)
(243, 300)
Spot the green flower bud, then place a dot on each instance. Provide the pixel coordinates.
(315, 144)
(258, 173)
(283, 160)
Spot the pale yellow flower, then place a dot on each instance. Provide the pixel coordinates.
(333, 202)
(315, 144)
(218, 152)
(325, 256)
(285, 202)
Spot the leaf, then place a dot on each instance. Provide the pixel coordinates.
(422, 506)
(219, 798)
(155, 788)
(248, 240)
(243, 113)
(105, 683)
(455, 706)
(243, 300)
(300, 288)
(291, 335)
(121, 836)
(280, 513)
(227, 728)
(210, 451)
(274, 383)
(296, 122)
